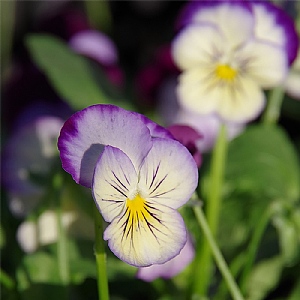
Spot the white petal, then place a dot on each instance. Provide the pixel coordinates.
(153, 237)
(239, 101)
(242, 102)
(266, 26)
(196, 91)
(114, 180)
(233, 19)
(266, 63)
(197, 44)
(169, 174)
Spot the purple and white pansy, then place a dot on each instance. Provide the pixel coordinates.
(229, 51)
(136, 171)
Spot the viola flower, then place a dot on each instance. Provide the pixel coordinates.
(172, 267)
(135, 170)
(230, 51)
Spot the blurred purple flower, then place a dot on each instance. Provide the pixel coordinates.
(101, 48)
(172, 267)
(28, 156)
(190, 138)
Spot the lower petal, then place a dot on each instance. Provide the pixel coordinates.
(153, 237)
(241, 102)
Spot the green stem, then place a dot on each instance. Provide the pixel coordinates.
(6, 280)
(219, 259)
(253, 246)
(203, 260)
(272, 112)
(99, 249)
(62, 243)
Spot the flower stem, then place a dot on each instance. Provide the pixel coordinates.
(253, 246)
(272, 112)
(220, 261)
(203, 261)
(99, 249)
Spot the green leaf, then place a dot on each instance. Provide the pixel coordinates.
(39, 267)
(264, 278)
(68, 72)
(263, 160)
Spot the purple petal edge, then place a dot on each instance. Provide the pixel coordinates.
(191, 9)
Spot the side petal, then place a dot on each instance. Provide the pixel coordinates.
(154, 239)
(84, 135)
(197, 45)
(196, 91)
(115, 179)
(169, 174)
(266, 63)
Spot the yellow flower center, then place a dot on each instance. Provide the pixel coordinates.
(137, 211)
(225, 72)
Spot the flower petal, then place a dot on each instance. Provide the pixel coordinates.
(163, 171)
(115, 179)
(96, 45)
(233, 18)
(197, 45)
(171, 267)
(84, 135)
(240, 101)
(274, 25)
(154, 239)
(266, 63)
(196, 92)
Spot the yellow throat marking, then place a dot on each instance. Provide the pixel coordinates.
(137, 211)
(225, 72)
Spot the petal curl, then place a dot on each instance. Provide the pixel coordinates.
(84, 135)
(169, 174)
(154, 239)
(115, 179)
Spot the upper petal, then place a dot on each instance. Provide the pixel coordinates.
(150, 238)
(233, 18)
(84, 135)
(169, 174)
(115, 179)
(274, 25)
